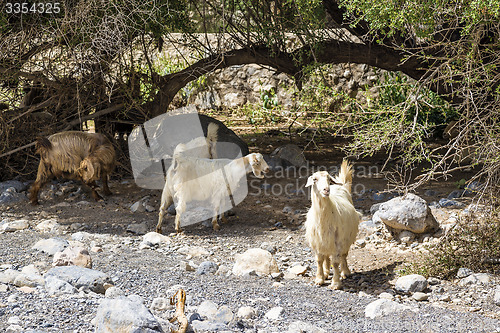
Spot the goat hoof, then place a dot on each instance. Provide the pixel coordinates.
(335, 286)
(216, 227)
(158, 230)
(35, 203)
(319, 281)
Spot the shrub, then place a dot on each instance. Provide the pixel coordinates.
(474, 243)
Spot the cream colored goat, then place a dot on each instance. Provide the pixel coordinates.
(191, 178)
(332, 223)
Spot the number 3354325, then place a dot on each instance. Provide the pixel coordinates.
(26, 8)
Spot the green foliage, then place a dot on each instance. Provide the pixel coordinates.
(421, 16)
(473, 243)
(268, 98)
(402, 116)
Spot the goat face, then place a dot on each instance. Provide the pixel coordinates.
(258, 164)
(88, 171)
(321, 181)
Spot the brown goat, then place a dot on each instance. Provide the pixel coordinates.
(74, 155)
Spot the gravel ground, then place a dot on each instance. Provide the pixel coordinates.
(150, 273)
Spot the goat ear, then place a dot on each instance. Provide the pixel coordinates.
(90, 168)
(310, 181)
(334, 180)
(254, 159)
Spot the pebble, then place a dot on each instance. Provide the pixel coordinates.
(274, 313)
(420, 296)
(246, 312)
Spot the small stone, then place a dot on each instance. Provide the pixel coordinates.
(383, 307)
(496, 298)
(464, 272)
(445, 298)
(187, 267)
(246, 312)
(138, 228)
(161, 304)
(207, 267)
(207, 309)
(420, 296)
(298, 270)
(274, 313)
(386, 295)
(224, 315)
(113, 292)
(411, 283)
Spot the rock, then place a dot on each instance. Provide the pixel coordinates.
(193, 251)
(477, 278)
(125, 314)
(377, 196)
(73, 256)
(274, 162)
(303, 327)
(386, 295)
(138, 207)
(374, 208)
(449, 203)
(160, 304)
(464, 272)
(11, 226)
(171, 210)
(407, 213)
(406, 236)
(10, 196)
(255, 259)
(114, 292)
(188, 267)
(268, 247)
(207, 309)
(456, 194)
(55, 286)
(496, 297)
(138, 228)
(154, 239)
(420, 296)
(246, 312)
(15, 184)
(9, 276)
(298, 270)
(47, 225)
(291, 154)
(21, 279)
(51, 246)
(411, 283)
(383, 307)
(224, 315)
(275, 313)
(208, 327)
(207, 267)
(82, 278)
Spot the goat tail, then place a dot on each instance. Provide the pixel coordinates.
(345, 175)
(212, 139)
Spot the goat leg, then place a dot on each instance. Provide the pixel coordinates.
(94, 193)
(43, 176)
(335, 285)
(320, 275)
(326, 266)
(105, 187)
(166, 201)
(344, 269)
(181, 208)
(35, 188)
